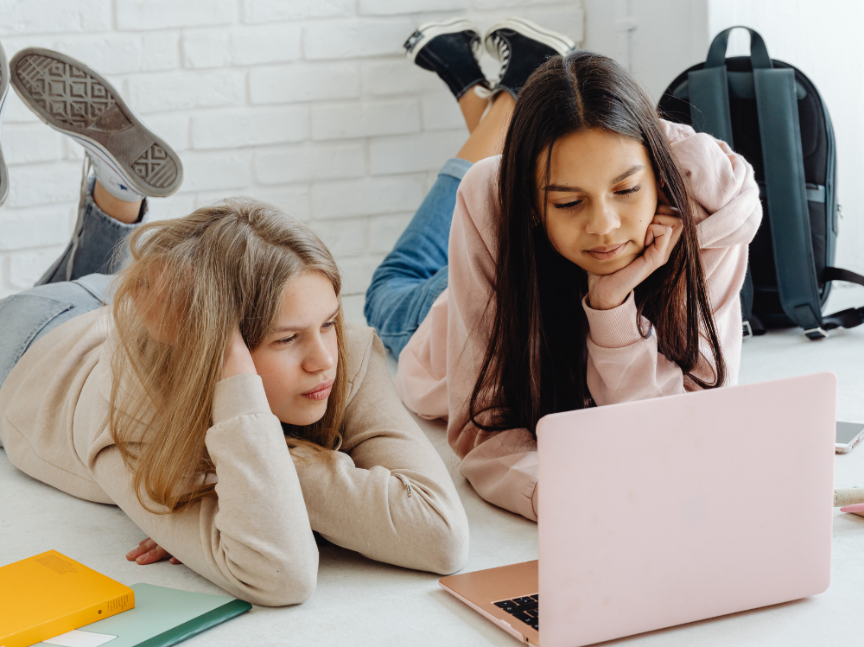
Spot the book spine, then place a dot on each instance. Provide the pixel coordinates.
(197, 625)
(76, 620)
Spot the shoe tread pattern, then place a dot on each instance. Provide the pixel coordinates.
(68, 94)
(75, 100)
(156, 167)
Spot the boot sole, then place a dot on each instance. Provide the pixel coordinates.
(78, 101)
(4, 90)
(556, 40)
(430, 30)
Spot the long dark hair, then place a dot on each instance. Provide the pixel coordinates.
(537, 356)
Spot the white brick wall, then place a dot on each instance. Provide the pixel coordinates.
(308, 104)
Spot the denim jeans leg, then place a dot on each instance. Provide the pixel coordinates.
(29, 315)
(98, 244)
(414, 274)
(72, 286)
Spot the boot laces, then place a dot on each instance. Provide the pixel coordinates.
(503, 49)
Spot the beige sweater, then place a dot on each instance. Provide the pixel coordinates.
(255, 539)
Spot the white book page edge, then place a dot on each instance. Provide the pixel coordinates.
(78, 638)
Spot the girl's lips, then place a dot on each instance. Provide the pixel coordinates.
(320, 392)
(606, 253)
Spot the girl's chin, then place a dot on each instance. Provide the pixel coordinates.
(307, 413)
(602, 268)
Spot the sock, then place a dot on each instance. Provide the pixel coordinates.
(112, 181)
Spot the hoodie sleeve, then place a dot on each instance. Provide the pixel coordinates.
(624, 366)
(501, 467)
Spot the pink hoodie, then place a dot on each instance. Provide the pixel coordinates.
(439, 366)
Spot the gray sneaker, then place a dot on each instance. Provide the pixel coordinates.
(77, 101)
(4, 90)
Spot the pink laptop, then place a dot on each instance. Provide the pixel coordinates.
(666, 511)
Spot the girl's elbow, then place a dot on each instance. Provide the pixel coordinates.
(297, 589)
(278, 581)
(288, 586)
(452, 553)
(451, 563)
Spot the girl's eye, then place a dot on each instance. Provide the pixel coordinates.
(629, 191)
(287, 340)
(329, 324)
(569, 205)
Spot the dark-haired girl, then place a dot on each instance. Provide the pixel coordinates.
(597, 260)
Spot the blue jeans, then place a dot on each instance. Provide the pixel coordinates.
(75, 284)
(414, 274)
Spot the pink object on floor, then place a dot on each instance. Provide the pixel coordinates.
(659, 523)
(858, 508)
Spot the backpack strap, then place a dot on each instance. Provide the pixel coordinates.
(786, 192)
(709, 102)
(851, 317)
(751, 324)
(709, 87)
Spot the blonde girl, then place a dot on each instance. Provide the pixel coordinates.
(220, 399)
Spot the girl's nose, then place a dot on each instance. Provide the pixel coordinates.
(602, 219)
(319, 357)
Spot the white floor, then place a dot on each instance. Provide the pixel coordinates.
(359, 602)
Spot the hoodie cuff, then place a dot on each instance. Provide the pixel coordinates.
(535, 498)
(240, 395)
(614, 328)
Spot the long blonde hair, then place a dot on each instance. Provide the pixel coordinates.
(190, 282)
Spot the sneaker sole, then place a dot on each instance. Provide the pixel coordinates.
(4, 90)
(430, 30)
(556, 40)
(77, 101)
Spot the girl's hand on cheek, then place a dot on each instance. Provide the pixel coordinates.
(611, 290)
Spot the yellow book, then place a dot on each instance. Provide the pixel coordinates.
(49, 594)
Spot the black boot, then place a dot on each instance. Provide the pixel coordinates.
(449, 48)
(522, 46)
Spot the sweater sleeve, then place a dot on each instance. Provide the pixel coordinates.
(501, 467)
(386, 493)
(253, 539)
(625, 366)
(503, 470)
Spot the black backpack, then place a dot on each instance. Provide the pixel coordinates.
(769, 112)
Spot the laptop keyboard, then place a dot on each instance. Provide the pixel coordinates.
(524, 609)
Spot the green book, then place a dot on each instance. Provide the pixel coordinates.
(161, 617)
